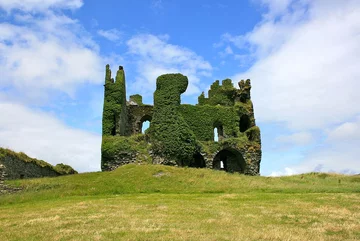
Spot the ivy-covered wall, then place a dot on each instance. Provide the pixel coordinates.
(170, 135)
(181, 134)
(120, 150)
(114, 103)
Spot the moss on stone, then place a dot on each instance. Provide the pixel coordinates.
(65, 169)
(253, 134)
(132, 145)
(22, 156)
(60, 168)
(137, 99)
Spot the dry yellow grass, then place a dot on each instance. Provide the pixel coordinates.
(186, 217)
(176, 207)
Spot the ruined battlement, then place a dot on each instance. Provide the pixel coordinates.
(225, 94)
(181, 134)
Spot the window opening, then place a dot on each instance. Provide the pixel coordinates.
(216, 134)
(145, 126)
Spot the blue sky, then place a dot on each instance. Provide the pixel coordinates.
(302, 57)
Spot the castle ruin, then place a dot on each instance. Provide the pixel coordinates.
(180, 134)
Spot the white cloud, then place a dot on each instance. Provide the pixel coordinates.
(47, 52)
(111, 34)
(287, 172)
(306, 72)
(338, 153)
(300, 138)
(39, 5)
(42, 136)
(345, 132)
(339, 158)
(275, 7)
(154, 57)
(227, 51)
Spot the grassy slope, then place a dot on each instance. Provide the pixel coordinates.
(146, 202)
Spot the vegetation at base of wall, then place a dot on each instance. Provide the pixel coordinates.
(60, 168)
(113, 145)
(170, 135)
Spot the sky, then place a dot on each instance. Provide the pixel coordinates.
(302, 57)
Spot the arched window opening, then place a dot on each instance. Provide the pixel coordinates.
(198, 161)
(216, 134)
(145, 126)
(229, 160)
(218, 131)
(244, 123)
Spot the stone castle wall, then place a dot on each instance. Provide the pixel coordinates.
(181, 134)
(19, 169)
(2, 178)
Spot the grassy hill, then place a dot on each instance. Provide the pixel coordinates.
(153, 202)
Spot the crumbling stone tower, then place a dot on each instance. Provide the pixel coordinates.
(181, 134)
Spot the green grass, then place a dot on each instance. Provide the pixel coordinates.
(153, 202)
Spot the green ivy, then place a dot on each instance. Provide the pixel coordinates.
(112, 145)
(219, 94)
(65, 169)
(170, 134)
(137, 99)
(113, 101)
(178, 132)
(202, 119)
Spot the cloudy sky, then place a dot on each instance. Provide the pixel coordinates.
(303, 57)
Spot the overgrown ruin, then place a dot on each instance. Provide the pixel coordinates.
(18, 165)
(180, 134)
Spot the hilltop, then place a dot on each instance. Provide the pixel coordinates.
(154, 202)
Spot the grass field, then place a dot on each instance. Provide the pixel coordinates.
(153, 202)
